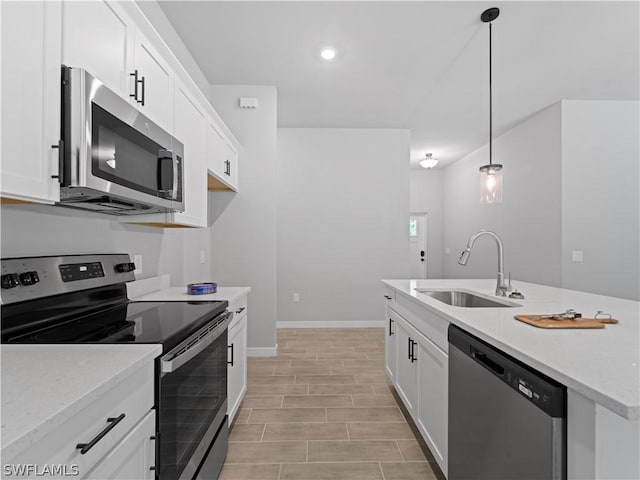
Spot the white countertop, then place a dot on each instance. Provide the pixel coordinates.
(45, 385)
(179, 294)
(601, 364)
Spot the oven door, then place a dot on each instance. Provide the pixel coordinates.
(192, 402)
(111, 147)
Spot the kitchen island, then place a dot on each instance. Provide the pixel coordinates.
(599, 367)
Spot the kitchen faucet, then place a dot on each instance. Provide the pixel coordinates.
(501, 287)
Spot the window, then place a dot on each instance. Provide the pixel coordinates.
(413, 227)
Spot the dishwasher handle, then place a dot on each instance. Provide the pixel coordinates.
(486, 362)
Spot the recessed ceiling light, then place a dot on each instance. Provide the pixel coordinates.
(328, 54)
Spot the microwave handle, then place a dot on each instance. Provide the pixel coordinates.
(165, 155)
(174, 191)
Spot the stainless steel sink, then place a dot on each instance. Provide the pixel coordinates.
(461, 298)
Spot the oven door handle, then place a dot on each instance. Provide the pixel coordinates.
(179, 359)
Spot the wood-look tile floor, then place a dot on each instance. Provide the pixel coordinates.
(324, 409)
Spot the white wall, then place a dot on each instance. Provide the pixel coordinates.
(529, 219)
(600, 202)
(425, 196)
(343, 204)
(31, 230)
(244, 224)
(571, 182)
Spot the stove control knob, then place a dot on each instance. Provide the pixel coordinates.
(10, 280)
(125, 267)
(29, 278)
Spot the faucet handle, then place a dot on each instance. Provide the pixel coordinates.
(509, 289)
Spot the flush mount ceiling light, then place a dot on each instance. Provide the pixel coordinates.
(491, 174)
(328, 54)
(429, 161)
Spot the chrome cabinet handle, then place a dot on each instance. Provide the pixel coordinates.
(390, 331)
(387, 297)
(113, 421)
(240, 310)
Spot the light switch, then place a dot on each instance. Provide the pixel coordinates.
(201, 256)
(577, 256)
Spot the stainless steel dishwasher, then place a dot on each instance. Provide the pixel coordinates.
(506, 420)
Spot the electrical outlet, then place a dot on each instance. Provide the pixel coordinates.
(137, 259)
(201, 256)
(296, 297)
(577, 256)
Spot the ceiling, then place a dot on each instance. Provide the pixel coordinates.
(416, 65)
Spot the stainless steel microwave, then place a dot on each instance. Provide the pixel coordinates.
(114, 160)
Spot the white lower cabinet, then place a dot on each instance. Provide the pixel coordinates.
(391, 343)
(93, 437)
(133, 458)
(407, 378)
(237, 357)
(433, 382)
(419, 373)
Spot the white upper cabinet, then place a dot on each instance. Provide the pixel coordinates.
(114, 42)
(154, 91)
(190, 128)
(222, 160)
(98, 36)
(31, 57)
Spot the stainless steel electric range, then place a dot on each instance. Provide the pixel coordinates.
(83, 299)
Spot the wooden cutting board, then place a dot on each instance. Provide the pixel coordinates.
(538, 321)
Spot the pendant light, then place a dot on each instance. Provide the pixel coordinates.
(490, 174)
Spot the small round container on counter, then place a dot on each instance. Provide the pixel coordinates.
(205, 288)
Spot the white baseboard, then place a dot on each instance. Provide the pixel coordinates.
(332, 324)
(262, 351)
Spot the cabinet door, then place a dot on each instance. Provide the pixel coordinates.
(31, 57)
(133, 458)
(391, 344)
(222, 161)
(237, 367)
(215, 150)
(190, 128)
(231, 165)
(433, 368)
(155, 83)
(407, 373)
(98, 37)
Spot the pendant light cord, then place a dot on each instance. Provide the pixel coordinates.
(490, 104)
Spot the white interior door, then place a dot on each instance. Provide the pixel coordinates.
(418, 245)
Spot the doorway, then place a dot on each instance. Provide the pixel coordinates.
(418, 245)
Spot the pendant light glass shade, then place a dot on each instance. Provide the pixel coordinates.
(491, 184)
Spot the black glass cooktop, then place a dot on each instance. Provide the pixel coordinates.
(115, 321)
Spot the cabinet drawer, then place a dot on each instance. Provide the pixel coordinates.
(239, 308)
(389, 296)
(425, 321)
(132, 397)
